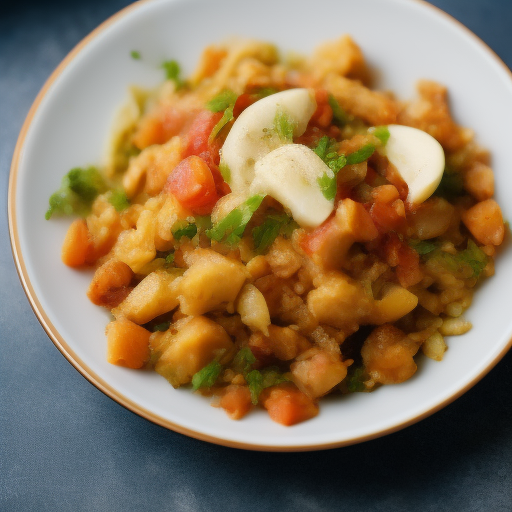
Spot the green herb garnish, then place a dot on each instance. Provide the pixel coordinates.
(207, 376)
(161, 327)
(423, 247)
(355, 380)
(243, 360)
(272, 227)
(79, 188)
(361, 154)
(119, 200)
(340, 117)
(222, 101)
(259, 380)
(327, 150)
(232, 226)
(451, 185)
(135, 55)
(169, 259)
(284, 125)
(382, 133)
(183, 228)
(172, 72)
(227, 116)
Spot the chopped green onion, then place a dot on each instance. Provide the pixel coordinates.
(222, 101)
(207, 376)
(119, 200)
(223, 121)
(328, 186)
(225, 172)
(232, 226)
(259, 380)
(135, 55)
(355, 380)
(327, 150)
(382, 133)
(243, 360)
(361, 154)
(79, 188)
(183, 228)
(169, 259)
(423, 247)
(340, 117)
(272, 227)
(284, 125)
(172, 72)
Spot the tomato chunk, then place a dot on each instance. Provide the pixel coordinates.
(198, 138)
(192, 184)
(287, 405)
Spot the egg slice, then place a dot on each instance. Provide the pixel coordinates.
(254, 134)
(418, 158)
(290, 175)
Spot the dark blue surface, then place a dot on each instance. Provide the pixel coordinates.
(66, 446)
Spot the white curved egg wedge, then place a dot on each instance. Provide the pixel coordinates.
(254, 134)
(419, 159)
(290, 175)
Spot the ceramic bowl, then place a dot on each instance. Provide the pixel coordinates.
(403, 41)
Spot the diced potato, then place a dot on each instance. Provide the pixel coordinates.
(136, 247)
(432, 218)
(155, 295)
(317, 375)
(455, 326)
(127, 344)
(434, 346)
(372, 106)
(479, 181)
(282, 258)
(342, 57)
(211, 280)
(388, 355)
(485, 221)
(252, 308)
(339, 301)
(188, 346)
(282, 342)
(395, 303)
(110, 284)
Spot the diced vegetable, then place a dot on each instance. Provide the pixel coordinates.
(127, 344)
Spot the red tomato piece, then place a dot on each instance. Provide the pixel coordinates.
(198, 137)
(192, 183)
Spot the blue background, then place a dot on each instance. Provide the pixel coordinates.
(66, 446)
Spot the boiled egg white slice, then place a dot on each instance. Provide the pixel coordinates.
(290, 175)
(419, 159)
(252, 136)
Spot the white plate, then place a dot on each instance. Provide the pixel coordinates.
(69, 123)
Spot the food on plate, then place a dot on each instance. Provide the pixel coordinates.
(270, 231)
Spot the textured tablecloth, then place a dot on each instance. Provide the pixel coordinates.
(65, 446)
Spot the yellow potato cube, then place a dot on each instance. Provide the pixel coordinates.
(188, 346)
(395, 303)
(155, 295)
(211, 280)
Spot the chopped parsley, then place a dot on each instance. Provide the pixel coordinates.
(259, 380)
(340, 117)
(423, 247)
(382, 133)
(183, 228)
(284, 125)
(231, 228)
(273, 226)
(361, 154)
(169, 259)
(161, 327)
(134, 54)
(327, 150)
(469, 262)
(79, 188)
(243, 360)
(207, 376)
(172, 72)
(119, 200)
(222, 101)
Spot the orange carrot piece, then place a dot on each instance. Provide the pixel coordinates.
(236, 401)
(127, 344)
(287, 405)
(76, 244)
